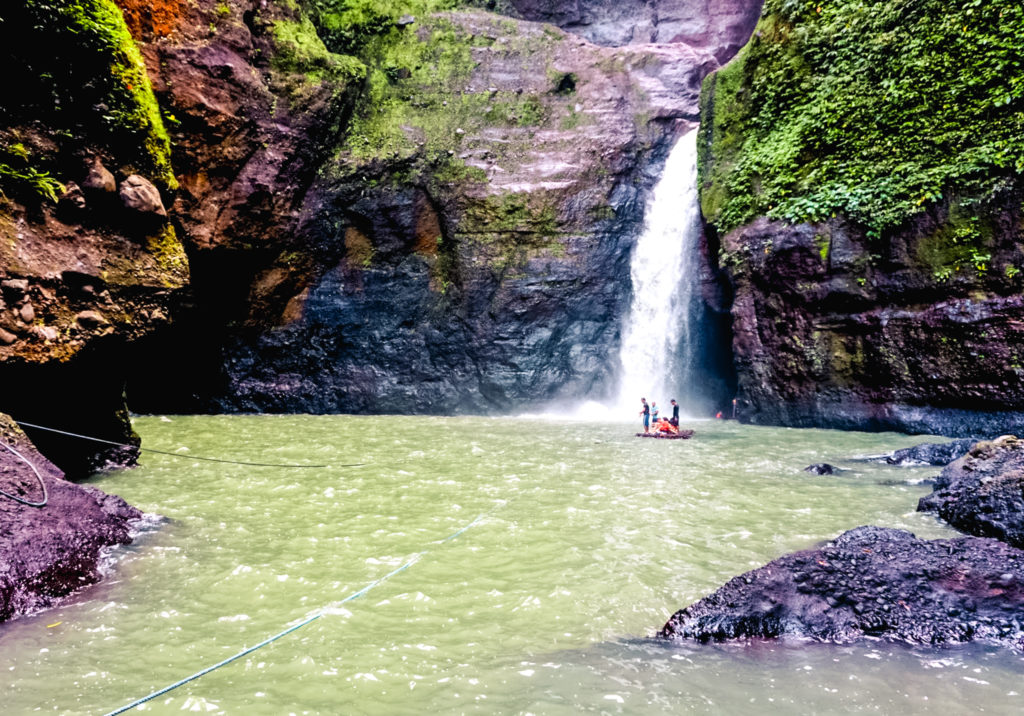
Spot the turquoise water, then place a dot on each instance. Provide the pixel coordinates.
(587, 540)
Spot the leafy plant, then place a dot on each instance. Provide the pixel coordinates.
(872, 109)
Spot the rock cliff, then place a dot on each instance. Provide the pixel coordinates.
(434, 214)
(861, 175)
(89, 261)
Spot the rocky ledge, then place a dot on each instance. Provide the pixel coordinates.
(871, 582)
(49, 552)
(982, 493)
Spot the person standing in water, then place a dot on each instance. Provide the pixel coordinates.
(646, 413)
(675, 413)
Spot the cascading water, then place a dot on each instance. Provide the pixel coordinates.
(658, 354)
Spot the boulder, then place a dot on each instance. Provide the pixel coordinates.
(90, 319)
(821, 468)
(48, 552)
(27, 313)
(139, 195)
(14, 288)
(871, 582)
(982, 493)
(99, 179)
(930, 453)
(72, 199)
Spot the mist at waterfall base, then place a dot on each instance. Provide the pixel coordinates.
(672, 346)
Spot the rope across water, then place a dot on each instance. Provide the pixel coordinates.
(174, 454)
(308, 620)
(46, 497)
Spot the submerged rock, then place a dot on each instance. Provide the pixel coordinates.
(871, 582)
(49, 552)
(930, 453)
(821, 468)
(982, 493)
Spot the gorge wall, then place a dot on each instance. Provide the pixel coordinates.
(861, 175)
(423, 213)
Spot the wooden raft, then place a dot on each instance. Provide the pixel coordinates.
(681, 435)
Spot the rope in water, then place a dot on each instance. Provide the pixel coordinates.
(174, 454)
(46, 496)
(269, 640)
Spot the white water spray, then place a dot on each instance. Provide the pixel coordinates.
(658, 346)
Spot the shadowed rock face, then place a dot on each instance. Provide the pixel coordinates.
(871, 582)
(49, 552)
(720, 27)
(982, 493)
(834, 330)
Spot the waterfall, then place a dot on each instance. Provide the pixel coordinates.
(658, 354)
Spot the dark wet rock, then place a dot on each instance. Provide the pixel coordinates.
(47, 553)
(871, 582)
(931, 453)
(982, 493)
(821, 468)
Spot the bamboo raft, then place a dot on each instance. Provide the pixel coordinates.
(681, 435)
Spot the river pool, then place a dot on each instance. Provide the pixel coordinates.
(586, 540)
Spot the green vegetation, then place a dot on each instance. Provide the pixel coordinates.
(417, 99)
(78, 70)
(300, 50)
(20, 178)
(869, 108)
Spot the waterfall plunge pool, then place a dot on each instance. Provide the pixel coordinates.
(591, 540)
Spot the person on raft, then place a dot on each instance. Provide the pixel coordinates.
(654, 412)
(675, 413)
(664, 425)
(646, 413)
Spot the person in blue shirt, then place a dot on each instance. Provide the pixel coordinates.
(654, 411)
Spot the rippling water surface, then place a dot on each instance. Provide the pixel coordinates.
(589, 540)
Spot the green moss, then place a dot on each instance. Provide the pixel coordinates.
(169, 254)
(872, 109)
(82, 74)
(517, 214)
(299, 49)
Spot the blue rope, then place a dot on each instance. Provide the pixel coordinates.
(46, 497)
(355, 595)
(173, 454)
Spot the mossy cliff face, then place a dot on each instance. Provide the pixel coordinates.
(89, 261)
(861, 166)
(431, 213)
